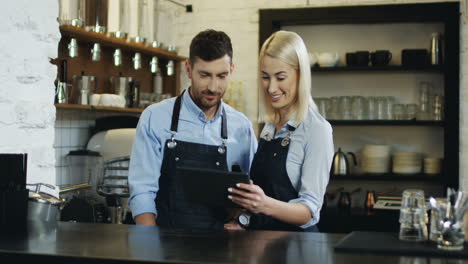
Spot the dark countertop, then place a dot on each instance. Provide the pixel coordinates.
(67, 242)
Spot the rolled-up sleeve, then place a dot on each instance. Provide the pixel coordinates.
(318, 155)
(145, 167)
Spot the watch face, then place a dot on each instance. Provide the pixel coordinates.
(243, 220)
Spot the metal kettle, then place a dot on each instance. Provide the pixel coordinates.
(340, 165)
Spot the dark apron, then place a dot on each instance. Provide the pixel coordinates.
(268, 171)
(173, 209)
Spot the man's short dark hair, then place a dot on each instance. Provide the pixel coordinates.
(210, 45)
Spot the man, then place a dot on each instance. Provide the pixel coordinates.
(195, 129)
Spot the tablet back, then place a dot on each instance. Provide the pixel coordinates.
(209, 187)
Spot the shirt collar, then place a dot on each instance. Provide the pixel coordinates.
(268, 132)
(193, 108)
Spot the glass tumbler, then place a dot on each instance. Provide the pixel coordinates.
(390, 104)
(345, 107)
(381, 108)
(413, 216)
(371, 108)
(323, 105)
(411, 111)
(333, 108)
(358, 107)
(399, 112)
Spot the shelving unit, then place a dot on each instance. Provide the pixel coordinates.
(106, 41)
(444, 14)
(389, 68)
(104, 68)
(437, 178)
(386, 123)
(98, 108)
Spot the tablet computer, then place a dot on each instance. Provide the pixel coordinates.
(209, 187)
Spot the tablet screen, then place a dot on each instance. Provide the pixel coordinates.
(209, 187)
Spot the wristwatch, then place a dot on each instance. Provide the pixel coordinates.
(244, 220)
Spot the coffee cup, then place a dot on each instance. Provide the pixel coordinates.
(381, 57)
(362, 58)
(351, 59)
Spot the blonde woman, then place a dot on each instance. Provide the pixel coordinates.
(290, 170)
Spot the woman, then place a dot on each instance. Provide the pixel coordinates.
(290, 170)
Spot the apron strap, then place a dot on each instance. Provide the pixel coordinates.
(176, 114)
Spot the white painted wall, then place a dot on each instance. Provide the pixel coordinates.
(29, 37)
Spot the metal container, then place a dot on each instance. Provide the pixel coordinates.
(436, 49)
(340, 165)
(43, 203)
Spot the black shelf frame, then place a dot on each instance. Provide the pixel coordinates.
(389, 68)
(391, 177)
(447, 13)
(387, 123)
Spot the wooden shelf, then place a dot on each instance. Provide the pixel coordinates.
(391, 177)
(93, 37)
(386, 123)
(97, 108)
(389, 68)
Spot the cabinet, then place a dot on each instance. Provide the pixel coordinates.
(104, 68)
(352, 28)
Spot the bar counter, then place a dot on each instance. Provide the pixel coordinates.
(67, 242)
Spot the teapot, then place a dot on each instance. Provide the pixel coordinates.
(327, 59)
(340, 164)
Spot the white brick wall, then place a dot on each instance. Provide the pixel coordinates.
(29, 37)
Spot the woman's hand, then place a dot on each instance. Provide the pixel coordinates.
(250, 197)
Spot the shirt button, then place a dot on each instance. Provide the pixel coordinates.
(217, 163)
(274, 154)
(177, 159)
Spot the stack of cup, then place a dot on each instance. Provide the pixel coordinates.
(413, 216)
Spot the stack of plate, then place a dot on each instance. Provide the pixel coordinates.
(432, 165)
(407, 162)
(375, 158)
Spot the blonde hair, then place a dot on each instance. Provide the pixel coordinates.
(289, 48)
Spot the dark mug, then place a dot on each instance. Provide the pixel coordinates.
(381, 57)
(351, 59)
(362, 58)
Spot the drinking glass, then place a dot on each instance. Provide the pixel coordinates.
(345, 107)
(390, 104)
(399, 112)
(413, 216)
(411, 111)
(371, 107)
(358, 107)
(334, 105)
(381, 108)
(323, 105)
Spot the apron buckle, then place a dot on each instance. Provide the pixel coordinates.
(172, 144)
(222, 148)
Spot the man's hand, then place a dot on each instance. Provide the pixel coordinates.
(145, 219)
(233, 225)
